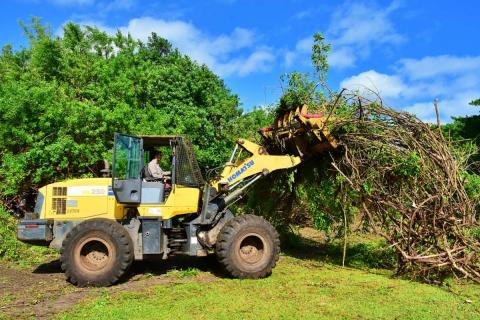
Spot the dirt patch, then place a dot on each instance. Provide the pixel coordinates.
(312, 235)
(43, 292)
(23, 290)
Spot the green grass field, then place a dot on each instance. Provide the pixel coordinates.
(308, 283)
(298, 289)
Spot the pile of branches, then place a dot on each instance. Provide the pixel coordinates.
(402, 175)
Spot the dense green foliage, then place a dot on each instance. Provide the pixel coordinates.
(475, 102)
(464, 132)
(463, 128)
(305, 88)
(9, 247)
(63, 97)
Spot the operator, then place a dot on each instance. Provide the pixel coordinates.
(155, 169)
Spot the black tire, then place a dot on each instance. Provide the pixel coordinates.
(248, 247)
(96, 252)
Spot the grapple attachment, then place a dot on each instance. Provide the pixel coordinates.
(298, 133)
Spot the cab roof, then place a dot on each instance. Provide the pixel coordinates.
(155, 141)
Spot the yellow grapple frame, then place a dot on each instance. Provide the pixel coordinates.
(299, 132)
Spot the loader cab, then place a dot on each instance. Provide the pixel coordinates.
(131, 156)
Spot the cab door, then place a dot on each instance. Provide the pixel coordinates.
(127, 168)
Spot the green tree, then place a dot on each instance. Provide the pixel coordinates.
(294, 197)
(63, 97)
(306, 88)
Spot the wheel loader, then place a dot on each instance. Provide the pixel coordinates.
(101, 225)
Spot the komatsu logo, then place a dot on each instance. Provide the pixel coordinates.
(241, 170)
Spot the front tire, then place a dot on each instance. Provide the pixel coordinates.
(96, 253)
(248, 247)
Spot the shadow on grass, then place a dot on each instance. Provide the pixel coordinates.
(361, 253)
(54, 266)
(154, 266)
(364, 254)
(182, 263)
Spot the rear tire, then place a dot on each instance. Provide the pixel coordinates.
(96, 253)
(248, 247)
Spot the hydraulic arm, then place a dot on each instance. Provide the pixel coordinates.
(291, 139)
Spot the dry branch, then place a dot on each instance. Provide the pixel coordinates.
(408, 183)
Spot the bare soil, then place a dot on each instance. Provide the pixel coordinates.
(42, 292)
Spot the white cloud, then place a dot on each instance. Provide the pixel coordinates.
(355, 28)
(415, 83)
(357, 24)
(387, 86)
(429, 67)
(302, 48)
(258, 61)
(454, 106)
(342, 57)
(289, 58)
(237, 53)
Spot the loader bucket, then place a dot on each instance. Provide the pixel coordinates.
(298, 133)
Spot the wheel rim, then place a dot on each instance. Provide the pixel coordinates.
(252, 249)
(94, 254)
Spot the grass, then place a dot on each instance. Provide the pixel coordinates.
(298, 289)
(308, 283)
(180, 274)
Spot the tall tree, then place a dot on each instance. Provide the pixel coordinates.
(63, 97)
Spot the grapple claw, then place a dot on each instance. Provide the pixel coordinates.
(298, 133)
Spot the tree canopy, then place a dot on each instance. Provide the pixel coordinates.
(475, 102)
(63, 97)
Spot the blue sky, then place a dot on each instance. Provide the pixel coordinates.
(409, 51)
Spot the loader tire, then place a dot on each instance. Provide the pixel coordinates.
(248, 247)
(96, 252)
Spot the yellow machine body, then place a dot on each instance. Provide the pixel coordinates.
(255, 161)
(81, 199)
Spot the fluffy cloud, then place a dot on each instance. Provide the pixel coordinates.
(454, 80)
(387, 86)
(453, 106)
(358, 24)
(302, 49)
(259, 61)
(354, 29)
(342, 58)
(430, 67)
(231, 54)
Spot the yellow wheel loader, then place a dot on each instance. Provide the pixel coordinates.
(101, 225)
